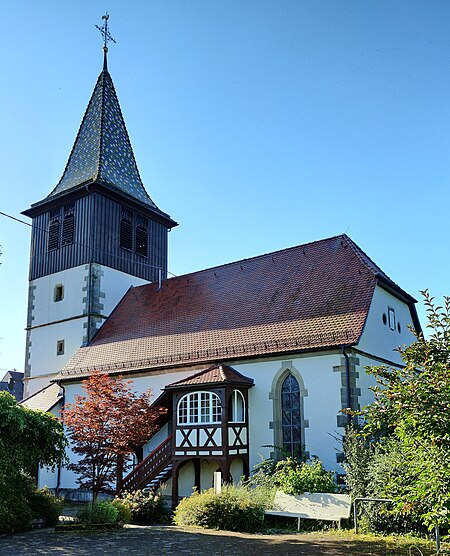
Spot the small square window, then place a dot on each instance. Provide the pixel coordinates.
(58, 294)
(60, 347)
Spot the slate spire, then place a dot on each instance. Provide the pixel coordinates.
(102, 151)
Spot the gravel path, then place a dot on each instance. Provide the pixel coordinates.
(170, 540)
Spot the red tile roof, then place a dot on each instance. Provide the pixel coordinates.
(314, 296)
(217, 374)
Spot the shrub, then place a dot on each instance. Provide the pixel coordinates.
(15, 513)
(373, 470)
(310, 476)
(44, 505)
(236, 508)
(294, 475)
(123, 509)
(145, 507)
(100, 512)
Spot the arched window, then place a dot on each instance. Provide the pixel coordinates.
(291, 415)
(236, 407)
(199, 408)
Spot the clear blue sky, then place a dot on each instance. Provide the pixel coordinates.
(256, 124)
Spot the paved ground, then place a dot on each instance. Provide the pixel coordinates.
(161, 541)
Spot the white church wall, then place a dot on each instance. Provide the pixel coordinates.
(47, 477)
(237, 470)
(379, 338)
(114, 285)
(321, 405)
(43, 356)
(186, 480)
(207, 469)
(46, 309)
(156, 440)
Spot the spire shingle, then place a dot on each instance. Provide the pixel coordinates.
(102, 151)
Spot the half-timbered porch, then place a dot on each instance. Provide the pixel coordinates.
(210, 432)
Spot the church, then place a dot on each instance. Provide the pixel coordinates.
(248, 356)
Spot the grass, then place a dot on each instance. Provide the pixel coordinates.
(391, 545)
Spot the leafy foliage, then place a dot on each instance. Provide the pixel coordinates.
(21, 501)
(145, 507)
(100, 512)
(408, 423)
(376, 470)
(123, 510)
(294, 475)
(27, 439)
(44, 504)
(105, 425)
(236, 508)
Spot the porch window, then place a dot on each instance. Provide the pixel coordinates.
(236, 408)
(199, 408)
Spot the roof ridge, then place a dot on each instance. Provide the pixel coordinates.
(248, 259)
(102, 120)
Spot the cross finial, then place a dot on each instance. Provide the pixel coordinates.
(105, 34)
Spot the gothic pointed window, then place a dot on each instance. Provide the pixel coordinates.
(291, 415)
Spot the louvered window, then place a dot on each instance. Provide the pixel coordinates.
(142, 240)
(53, 234)
(68, 227)
(126, 230)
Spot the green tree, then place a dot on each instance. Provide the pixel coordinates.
(28, 439)
(411, 411)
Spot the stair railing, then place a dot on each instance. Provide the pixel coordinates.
(149, 467)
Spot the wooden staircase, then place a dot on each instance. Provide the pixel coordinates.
(155, 469)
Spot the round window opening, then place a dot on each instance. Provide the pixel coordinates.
(384, 318)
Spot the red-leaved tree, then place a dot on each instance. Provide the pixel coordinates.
(105, 425)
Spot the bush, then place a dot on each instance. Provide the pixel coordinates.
(373, 470)
(236, 508)
(123, 509)
(145, 507)
(44, 505)
(294, 475)
(21, 501)
(15, 513)
(100, 512)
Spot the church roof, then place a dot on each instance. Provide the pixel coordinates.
(102, 151)
(310, 297)
(44, 399)
(217, 374)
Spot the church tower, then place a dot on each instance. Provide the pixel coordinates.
(95, 235)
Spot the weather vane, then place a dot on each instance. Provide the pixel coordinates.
(105, 32)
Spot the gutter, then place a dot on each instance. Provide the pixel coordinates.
(347, 377)
(63, 400)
